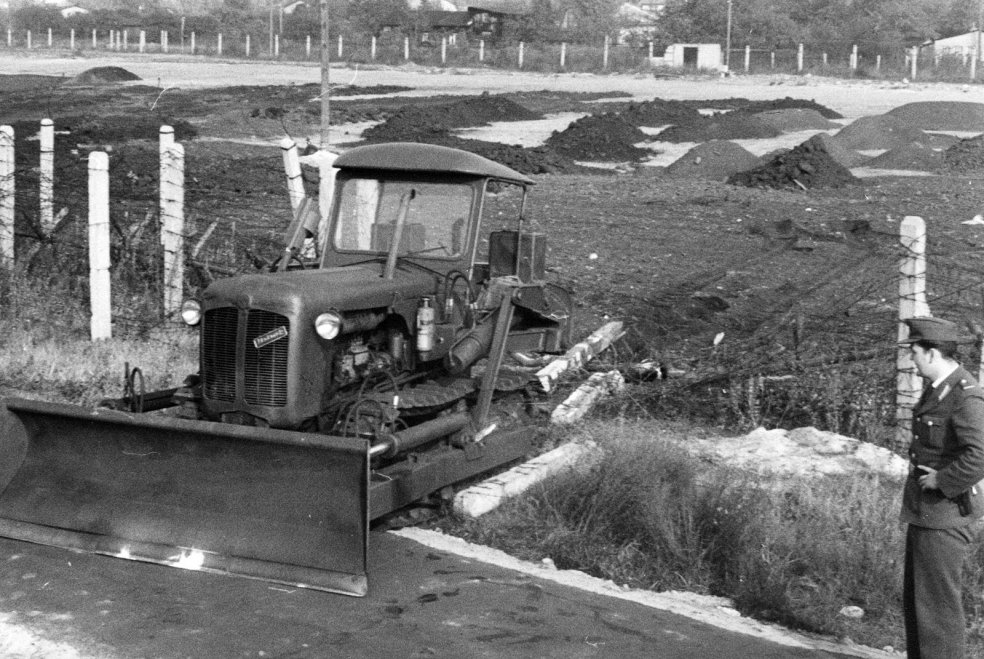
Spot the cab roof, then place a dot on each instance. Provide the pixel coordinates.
(414, 157)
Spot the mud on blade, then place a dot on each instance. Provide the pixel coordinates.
(268, 504)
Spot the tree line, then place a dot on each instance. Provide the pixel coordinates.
(873, 25)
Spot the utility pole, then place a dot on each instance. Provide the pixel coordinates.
(727, 41)
(325, 74)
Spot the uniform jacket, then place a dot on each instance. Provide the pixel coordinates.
(947, 435)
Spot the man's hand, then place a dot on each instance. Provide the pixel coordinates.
(928, 480)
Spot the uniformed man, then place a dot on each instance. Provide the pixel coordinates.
(944, 496)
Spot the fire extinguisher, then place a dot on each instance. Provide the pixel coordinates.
(425, 326)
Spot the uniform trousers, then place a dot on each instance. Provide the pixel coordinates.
(935, 627)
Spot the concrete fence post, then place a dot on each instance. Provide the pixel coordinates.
(71, 39)
(143, 41)
(481, 50)
(340, 43)
(799, 59)
(913, 61)
(563, 54)
(100, 324)
(276, 46)
(218, 44)
(7, 197)
(192, 43)
(444, 50)
(50, 41)
(292, 167)
(854, 57)
(172, 228)
(28, 39)
(406, 48)
(521, 54)
(372, 48)
(307, 47)
(604, 56)
(46, 176)
(912, 303)
(247, 45)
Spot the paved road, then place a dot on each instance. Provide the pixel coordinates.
(423, 603)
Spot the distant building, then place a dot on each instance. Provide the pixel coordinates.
(961, 45)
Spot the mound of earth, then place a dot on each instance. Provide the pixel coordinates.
(795, 119)
(727, 126)
(879, 132)
(599, 137)
(715, 160)
(941, 115)
(752, 107)
(411, 122)
(913, 156)
(658, 112)
(966, 156)
(104, 75)
(809, 165)
(536, 160)
(843, 155)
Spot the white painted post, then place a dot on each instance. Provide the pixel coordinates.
(307, 46)
(71, 39)
(481, 50)
(28, 39)
(748, 58)
(95, 43)
(49, 38)
(292, 167)
(444, 50)
(164, 41)
(100, 324)
(143, 41)
(165, 140)
(7, 197)
(172, 228)
(825, 59)
(406, 48)
(218, 45)
(247, 45)
(10, 37)
(126, 40)
(912, 303)
(877, 62)
(521, 54)
(854, 57)
(914, 58)
(604, 57)
(276, 45)
(340, 42)
(650, 50)
(46, 175)
(192, 43)
(372, 48)
(563, 54)
(799, 59)
(772, 59)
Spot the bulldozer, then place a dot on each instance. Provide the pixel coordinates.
(375, 363)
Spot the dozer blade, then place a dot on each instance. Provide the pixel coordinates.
(282, 506)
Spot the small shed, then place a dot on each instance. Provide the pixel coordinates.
(697, 56)
(961, 45)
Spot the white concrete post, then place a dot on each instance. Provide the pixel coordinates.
(912, 303)
(172, 229)
(912, 61)
(521, 54)
(10, 37)
(7, 197)
(444, 50)
(218, 45)
(28, 39)
(49, 38)
(46, 175)
(71, 39)
(650, 50)
(481, 50)
(854, 57)
(95, 43)
(799, 59)
(276, 45)
(164, 41)
(825, 59)
(406, 48)
(126, 40)
(165, 140)
(192, 43)
(247, 45)
(100, 324)
(604, 56)
(292, 167)
(307, 46)
(143, 41)
(563, 54)
(372, 48)
(748, 58)
(772, 59)
(340, 43)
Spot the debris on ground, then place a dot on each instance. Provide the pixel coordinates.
(809, 165)
(965, 156)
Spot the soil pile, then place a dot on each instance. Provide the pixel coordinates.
(751, 107)
(604, 137)
(102, 75)
(658, 112)
(914, 156)
(879, 132)
(809, 165)
(845, 156)
(715, 160)
(537, 160)
(939, 115)
(966, 156)
(727, 126)
(795, 119)
(420, 122)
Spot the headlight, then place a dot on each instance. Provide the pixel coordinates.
(328, 325)
(191, 312)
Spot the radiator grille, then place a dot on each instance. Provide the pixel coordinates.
(266, 367)
(219, 354)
